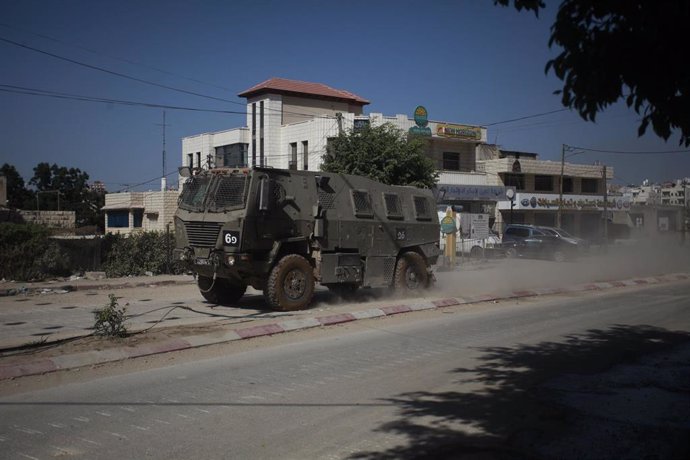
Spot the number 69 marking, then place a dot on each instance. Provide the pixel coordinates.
(231, 238)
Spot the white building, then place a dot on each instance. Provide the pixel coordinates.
(289, 124)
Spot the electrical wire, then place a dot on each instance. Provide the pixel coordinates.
(141, 80)
(628, 152)
(77, 97)
(102, 54)
(525, 117)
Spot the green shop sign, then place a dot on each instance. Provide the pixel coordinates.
(421, 118)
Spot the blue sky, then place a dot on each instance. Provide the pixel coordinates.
(465, 61)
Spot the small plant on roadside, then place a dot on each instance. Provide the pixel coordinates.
(110, 320)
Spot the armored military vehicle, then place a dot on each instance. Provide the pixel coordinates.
(281, 231)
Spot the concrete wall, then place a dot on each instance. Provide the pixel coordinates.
(64, 220)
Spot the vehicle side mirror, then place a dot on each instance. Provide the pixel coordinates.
(184, 171)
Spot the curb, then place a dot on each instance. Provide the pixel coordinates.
(89, 358)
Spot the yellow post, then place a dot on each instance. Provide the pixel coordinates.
(450, 239)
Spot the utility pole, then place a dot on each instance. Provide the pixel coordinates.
(606, 210)
(339, 117)
(560, 188)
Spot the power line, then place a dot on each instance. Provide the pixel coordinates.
(627, 152)
(100, 53)
(147, 82)
(77, 97)
(525, 117)
(118, 74)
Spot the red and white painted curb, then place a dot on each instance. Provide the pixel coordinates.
(90, 358)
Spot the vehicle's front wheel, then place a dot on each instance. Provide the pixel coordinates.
(476, 252)
(222, 291)
(411, 273)
(290, 284)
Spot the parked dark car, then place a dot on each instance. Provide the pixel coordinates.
(541, 242)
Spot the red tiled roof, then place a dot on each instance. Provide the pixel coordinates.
(283, 85)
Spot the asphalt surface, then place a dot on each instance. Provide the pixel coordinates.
(590, 376)
(41, 313)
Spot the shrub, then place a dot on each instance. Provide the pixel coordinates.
(26, 253)
(110, 320)
(138, 253)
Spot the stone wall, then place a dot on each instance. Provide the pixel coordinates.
(62, 220)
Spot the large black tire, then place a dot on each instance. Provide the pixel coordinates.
(411, 273)
(222, 292)
(290, 284)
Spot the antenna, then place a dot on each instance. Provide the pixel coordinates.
(163, 179)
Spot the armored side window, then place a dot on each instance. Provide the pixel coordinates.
(393, 206)
(326, 199)
(422, 208)
(361, 203)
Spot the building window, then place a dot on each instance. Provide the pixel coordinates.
(292, 162)
(232, 156)
(198, 159)
(451, 161)
(118, 219)
(138, 218)
(305, 154)
(568, 185)
(543, 183)
(190, 160)
(515, 180)
(590, 185)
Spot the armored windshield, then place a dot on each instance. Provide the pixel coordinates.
(230, 193)
(193, 193)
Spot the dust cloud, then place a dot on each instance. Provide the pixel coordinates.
(624, 260)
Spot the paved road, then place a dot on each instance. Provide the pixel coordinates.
(51, 316)
(601, 375)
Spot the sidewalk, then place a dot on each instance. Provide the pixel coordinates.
(214, 333)
(93, 281)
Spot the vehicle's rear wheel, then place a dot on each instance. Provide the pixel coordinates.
(511, 253)
(290, 284)
(476, 252)
(411, 273)
(222, 291)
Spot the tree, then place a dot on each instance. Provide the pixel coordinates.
(623, 49)
(74, 193)
(383, 153)
(18, 196)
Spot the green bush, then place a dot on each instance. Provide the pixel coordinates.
(138, 253)
(26, 253)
